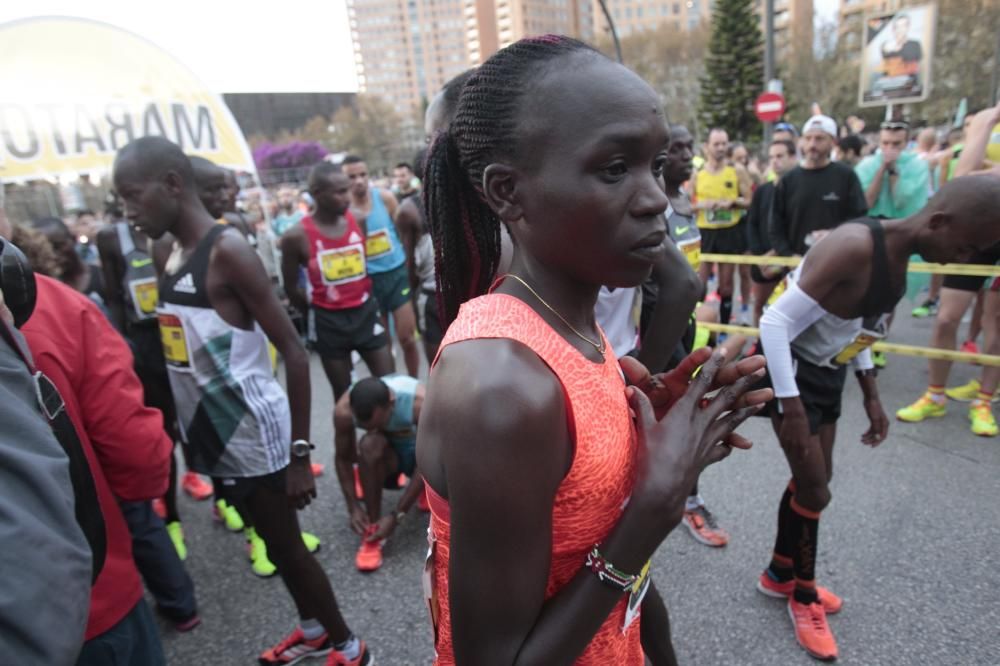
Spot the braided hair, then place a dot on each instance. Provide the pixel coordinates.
(465, 229)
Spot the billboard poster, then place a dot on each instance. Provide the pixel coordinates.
(896, 56)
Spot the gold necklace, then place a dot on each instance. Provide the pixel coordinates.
(600, 347)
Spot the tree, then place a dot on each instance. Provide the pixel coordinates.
(734, 70)
(670, 65)
(371, 129)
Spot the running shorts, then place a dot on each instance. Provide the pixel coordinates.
(392, 288)
(724, 241)
(238, 489)
(335, 333)
(820, 389)
(973, 282)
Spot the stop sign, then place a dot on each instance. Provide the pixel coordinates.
(769, 107)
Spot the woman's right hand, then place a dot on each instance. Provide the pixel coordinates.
(692, 435)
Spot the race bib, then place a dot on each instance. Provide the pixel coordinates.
(144, 297)
(378, 244)
(872, 331)
(692, 251)
(778, 291)
(343, 264)
(175, 349)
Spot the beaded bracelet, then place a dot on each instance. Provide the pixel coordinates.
(607, 573)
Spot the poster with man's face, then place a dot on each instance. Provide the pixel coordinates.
(896, 56)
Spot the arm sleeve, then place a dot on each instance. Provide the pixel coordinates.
(794, 311)
(777, 223)
(864, 360)
(128, 437)
(44, 607)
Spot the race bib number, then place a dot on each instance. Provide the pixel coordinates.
(175, 348)
(873, 330)
(778, 291)
(144, 297)
(378, 244)
(692, 252)
(343, 264)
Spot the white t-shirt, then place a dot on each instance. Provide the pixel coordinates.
(615, 315)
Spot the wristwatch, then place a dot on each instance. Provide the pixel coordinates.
(399, 516)
(301, 448)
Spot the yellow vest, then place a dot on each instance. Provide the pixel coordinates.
(715, 187)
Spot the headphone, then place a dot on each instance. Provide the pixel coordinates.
(17, 282)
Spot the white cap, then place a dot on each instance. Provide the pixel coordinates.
(822, 123)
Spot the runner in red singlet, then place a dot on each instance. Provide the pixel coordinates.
(548, 499)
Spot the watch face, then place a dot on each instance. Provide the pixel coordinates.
(300, 449)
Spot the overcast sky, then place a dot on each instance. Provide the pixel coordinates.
(280, 46)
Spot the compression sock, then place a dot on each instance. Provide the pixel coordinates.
(311, 629)
(936, 394)
(725, 309)
(806, 532)
(351, 648)
(780, 568)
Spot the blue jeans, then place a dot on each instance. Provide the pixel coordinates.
(134, 641)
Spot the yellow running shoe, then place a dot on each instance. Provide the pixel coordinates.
(924, 408)
(981, 417)
(176, 534)
(965, 392)
(257, 551)
(228, 514)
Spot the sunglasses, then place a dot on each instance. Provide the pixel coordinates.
(895, 125)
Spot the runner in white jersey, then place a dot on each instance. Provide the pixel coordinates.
(217, 312)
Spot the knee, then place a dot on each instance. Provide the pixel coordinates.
(372, 447)
(813, 497)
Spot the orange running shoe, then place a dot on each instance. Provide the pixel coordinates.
(317, 469)
(702, 526)
(359, 491)
(196, 487)
(294, 648)
(364, 658)
(369, 557)
(812, 631)
(160, 508)
(772, 588)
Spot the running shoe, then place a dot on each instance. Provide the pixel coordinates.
(969, 347)
(772, 588)
(160, 508)
(703, 527)
(226, 513)
(317, 469)
(294, 648)
(925, 309)
(257, 552)
(924, 408)
(311, 541)
(878, 358)
(176, 534)
(359, 491)
(812, 630)
(981, 418)
(369, 557)
(965, 392)
(184, 626)
(364, 658)
(196, 487)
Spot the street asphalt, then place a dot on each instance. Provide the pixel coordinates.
(911, 541)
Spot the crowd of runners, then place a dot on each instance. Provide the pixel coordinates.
(540, 261)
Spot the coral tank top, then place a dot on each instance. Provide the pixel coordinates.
(590, 498)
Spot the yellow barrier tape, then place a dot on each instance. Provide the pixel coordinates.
(914, 267)
(889, 347)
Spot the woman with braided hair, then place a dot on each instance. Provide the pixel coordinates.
(550, 483)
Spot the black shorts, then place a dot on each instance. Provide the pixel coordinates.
(147, 351)
(336, 333)
(433, 333)
(973, 282)
(392, 289)
(820, 390)
(238, 489)
(758, 277)
(732, 240)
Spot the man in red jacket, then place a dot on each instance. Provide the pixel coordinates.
(126, 447)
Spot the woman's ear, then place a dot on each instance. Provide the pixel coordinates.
(500, 190)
